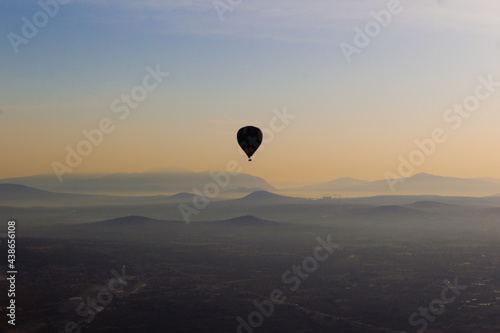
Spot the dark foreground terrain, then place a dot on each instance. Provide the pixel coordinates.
(141, 275)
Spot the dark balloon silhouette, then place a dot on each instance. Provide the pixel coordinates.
(249, 139)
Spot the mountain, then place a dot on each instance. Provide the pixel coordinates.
(128, 221)
(244, 190)
(20, 195)
(334, 185)
(169, 181)
(429, 184)
(47, 182)
(131, 221)
(181, 196)
(265, 197)
(139, 229)
(489, 179)
(25, 196)
(168, 170)
(16, 191)
(419, 184)
(156, 181)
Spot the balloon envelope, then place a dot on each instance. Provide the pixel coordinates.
(249, 139)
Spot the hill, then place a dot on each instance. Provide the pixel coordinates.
(265, 197)
(247, 220)
(128, 220)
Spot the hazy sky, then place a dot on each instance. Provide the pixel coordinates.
(351, 119)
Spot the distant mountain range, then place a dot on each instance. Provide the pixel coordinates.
(24, 196)
(39, 207)
(185, 182)
(156, 181)
(419, 184)
(339, 183)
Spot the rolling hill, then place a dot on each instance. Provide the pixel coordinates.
(268, 198)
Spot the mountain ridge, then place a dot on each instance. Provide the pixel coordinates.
(421, 184)
(149, 182)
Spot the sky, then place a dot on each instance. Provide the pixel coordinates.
(226, 64)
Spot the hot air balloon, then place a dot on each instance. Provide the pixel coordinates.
(249, 139)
